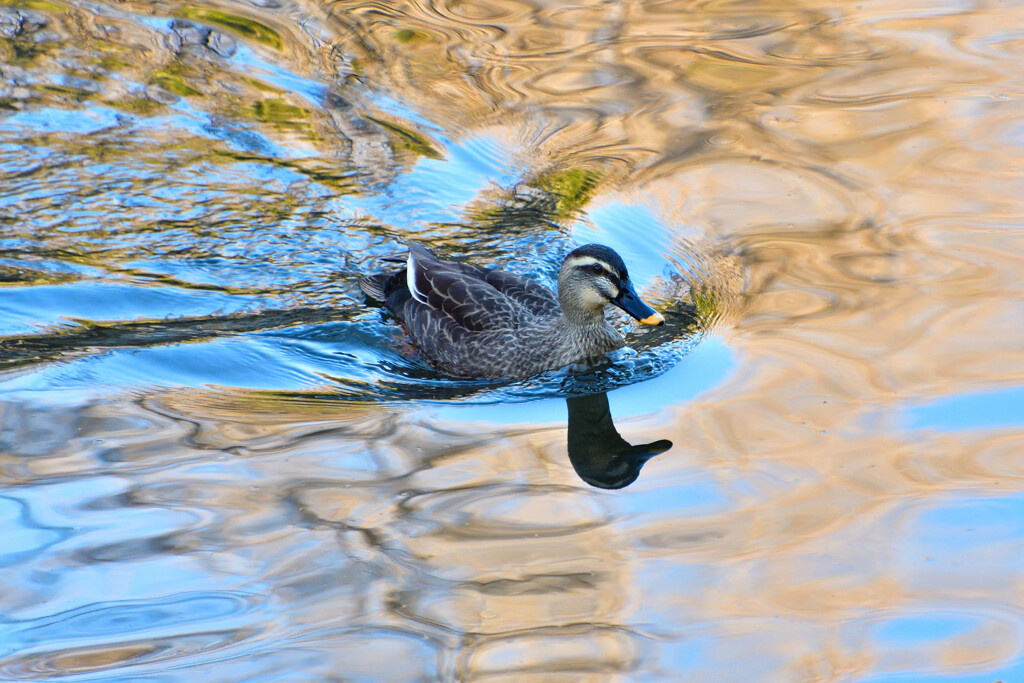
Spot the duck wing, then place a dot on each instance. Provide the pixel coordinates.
(535, 297)
(465, 293)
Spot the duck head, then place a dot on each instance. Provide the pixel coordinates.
(594, 276)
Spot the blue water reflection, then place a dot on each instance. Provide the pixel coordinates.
(924, 630)
(981, 532)
(53, 120)
(23, 536)
(438, 190)
(633, 230)
(33, 309)
(992, 409)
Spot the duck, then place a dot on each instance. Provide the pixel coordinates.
(474, 322)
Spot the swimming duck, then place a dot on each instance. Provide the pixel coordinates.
(469, 321)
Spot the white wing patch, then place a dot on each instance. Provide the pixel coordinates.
(410, 280)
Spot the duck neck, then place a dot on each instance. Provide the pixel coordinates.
(576, 316)
(586, 335)
(575, 311)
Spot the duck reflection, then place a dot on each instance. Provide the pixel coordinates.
(599, 455)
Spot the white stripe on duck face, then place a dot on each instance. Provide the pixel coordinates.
(410, 280)
(577, 261)
(584, 261)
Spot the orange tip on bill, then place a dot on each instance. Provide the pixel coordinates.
(653, 319)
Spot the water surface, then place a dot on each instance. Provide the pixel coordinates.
(216, 460)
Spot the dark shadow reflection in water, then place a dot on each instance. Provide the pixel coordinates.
(600, 456)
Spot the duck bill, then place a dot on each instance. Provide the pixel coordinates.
(628, 301)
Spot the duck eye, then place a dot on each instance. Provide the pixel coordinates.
(596, 269)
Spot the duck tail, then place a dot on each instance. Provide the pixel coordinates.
(373, 286)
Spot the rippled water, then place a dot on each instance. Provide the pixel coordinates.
(216, 460)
